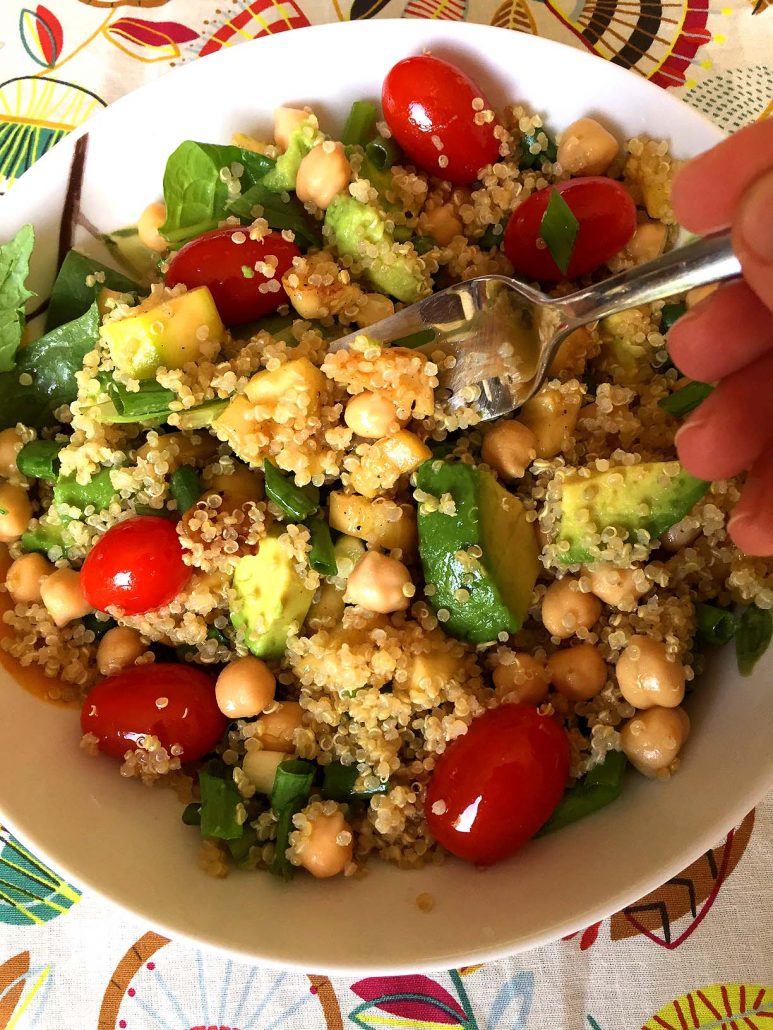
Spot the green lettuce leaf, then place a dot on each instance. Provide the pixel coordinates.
(14, 269)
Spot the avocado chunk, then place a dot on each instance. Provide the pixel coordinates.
(98, 493)
(485, 548)
(284, 173)
(633, 499)
(396, 268)
(270, 600)
(167, 335)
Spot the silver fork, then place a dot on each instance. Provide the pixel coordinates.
(493, 337)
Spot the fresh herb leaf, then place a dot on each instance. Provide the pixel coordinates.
(598, 788)
(213, 633)
(52, 361)
(14, 269)
(70, 294)
(280, 214)
(715, 625)
(185, 487)
(219, 801)
(753, 637)
(195, 194)
(292, 786)
(299, 502)
(493, 236)
(681, 402)
(529, 160)
(559, 229)
(39, 459)
(338, 782)
(192, 814)
(670, 313)
(99, 491)
(98, 626)
(360, 124)
(321, 554)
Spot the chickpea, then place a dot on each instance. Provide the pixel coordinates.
(579, 672)
(565, 608)
(587, 148)
(618, 588)
(323, 174)
(551, 415)
(150, 221)
(10, 445)
(523, 680)
(681, 534)
(377, 583)
(441, 223)
(276, 729)
(118, 649)
(24, 577)
(286, 121)
(509, 447)
(648, 677)
(244, 688)
(329, 847)
(62, 595)
(371, 415)
(373, 308)
(647, 243)
(652, 740)
(573, 352)
(15, 512)
(260, 768)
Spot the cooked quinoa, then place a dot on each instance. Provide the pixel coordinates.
(382, 691)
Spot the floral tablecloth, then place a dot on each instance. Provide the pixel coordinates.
(698, 952)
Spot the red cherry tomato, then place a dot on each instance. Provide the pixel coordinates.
(136, 566)
(607, 217)
(215, 260)
(175, 703)
(498, 783)
(425, 98)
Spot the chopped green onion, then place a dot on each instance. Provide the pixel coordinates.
(39, 459)
(192, 814)
(559, 229)
(202, 415)
(598, 788)
(338, 782)
(185, 487)
(98, 626)
(240, 849)
(670, 313)
(299, 502)
(527, 159)
(150, 400)
(686, 399)
(360, 124)
(419, 339)
(753, 637)
(219, 801)
(383, 153)
(715, 625)
(423, 244)
(99, 492)
(248, 272)
(292, 786)
(321, 554)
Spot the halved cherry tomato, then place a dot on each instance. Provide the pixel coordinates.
(493, 788)
(607, 216)
(136, 566)
(217, 261)
(426, 100)
(175, 703)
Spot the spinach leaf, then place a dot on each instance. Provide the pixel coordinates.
(219, 802)
(70, 296)
(52, 361)
(752, 640)
(14, 268)
(280, 214)
(715, 625)
(195, 194)
(597, 789)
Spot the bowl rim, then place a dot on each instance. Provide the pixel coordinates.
(467, 36)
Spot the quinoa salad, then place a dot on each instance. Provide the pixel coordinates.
(338, 618)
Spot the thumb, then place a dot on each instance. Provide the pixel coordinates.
(753, 237)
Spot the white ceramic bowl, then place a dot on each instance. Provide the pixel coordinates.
(126, 843)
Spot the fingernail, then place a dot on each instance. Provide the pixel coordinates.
(756, 221)
(736, 520)
(693, 423)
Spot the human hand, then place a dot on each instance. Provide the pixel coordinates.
(728, 337)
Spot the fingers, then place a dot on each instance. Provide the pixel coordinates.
(753, 236)
(728, 330)
(751, 524)
(707, 190)
(732, 428)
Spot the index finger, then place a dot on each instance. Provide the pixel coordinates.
(708, 189)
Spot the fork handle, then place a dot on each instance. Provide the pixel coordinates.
(703, 261)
